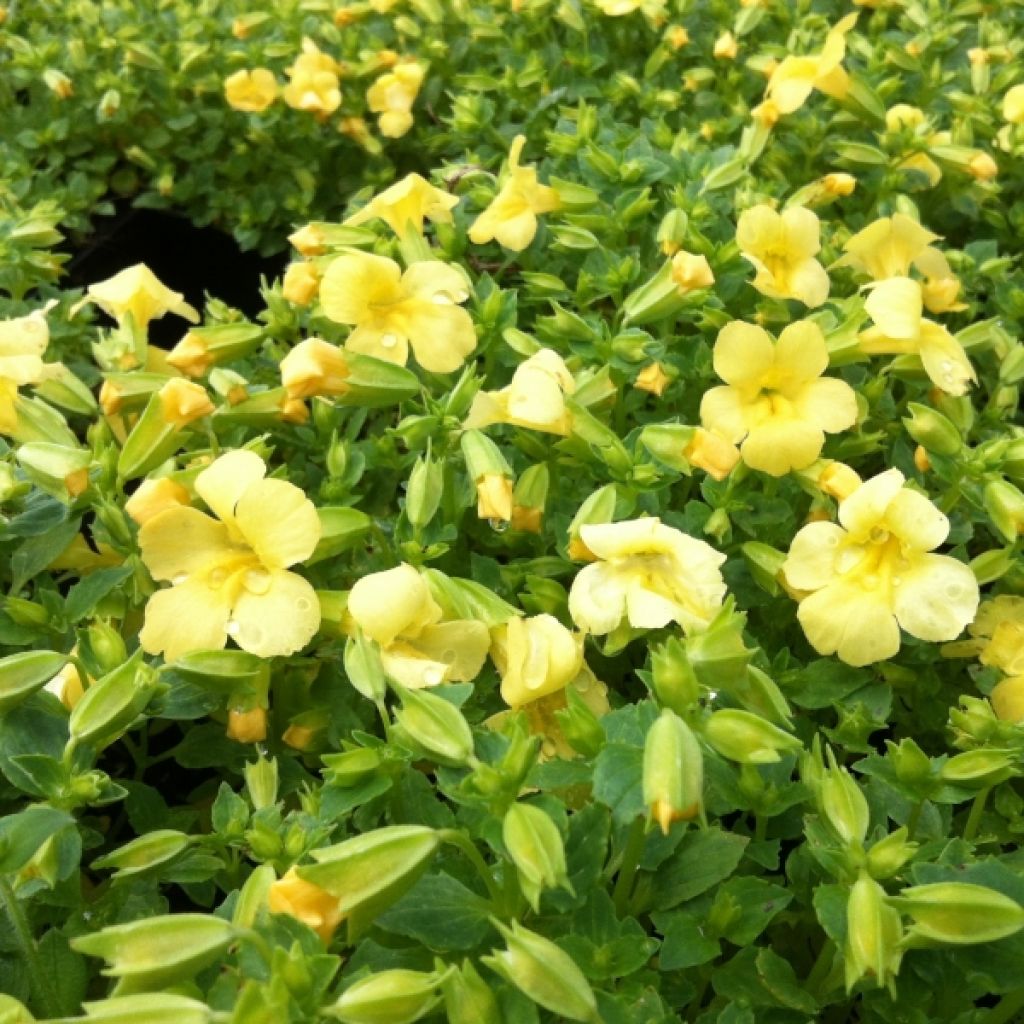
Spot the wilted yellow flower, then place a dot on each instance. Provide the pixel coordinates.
(534, 399)
(137, 291)
(390, 310)
(314, 367)
(310, 240)
(1013, 105)
(782, 247)
(648, 574)
(652, 378)
(251, 91)
(392, 97)
(23, 341)
(306, 902)
(406, 204)
(183, 402)
(59, 84)
(313, 82)
(792, 81)
(536, 656)
(776, 397)
(511, 217)
(691, 271)
(873, 573)
(896, 306)
(229, 575)
(725, 47)
(300, 283)
(396, 609)
(153, 497)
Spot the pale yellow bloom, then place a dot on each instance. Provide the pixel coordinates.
(406, 204)
(903, 115)
(652, 9)
(1000, 624)
(494, 493)
(677, 37)
(391, 311)
(153, 497)
(652, 378)
(795, 77)
(306, 902)
(896, 306)
(782, 247)
(982, 167)
(137, 291)
(229, 574)
(300, 283)
(873, 573)
(535, 398)
(649, 575)
(691, 271)
(251, 91)
(314, 367)
(776, 398)
(511, 217)
(313, 82)
(310, 240)
(392, 97)
(725, 47)
(1007, 699)
(1013, 105)
(887, 247)
(839, 183)
(396, 609)
(712, 453)
(183, 402)
(536, 656)
(23, 341)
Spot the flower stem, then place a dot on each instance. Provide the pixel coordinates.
(974, 817)
(631, 854)
(45, 996)
(468, 847)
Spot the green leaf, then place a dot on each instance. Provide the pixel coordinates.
(441, 913)
(23, 833)
(704, 859)
(87, 593)
(36, 553)
(685, 943)
(618, 781)
(750, 903)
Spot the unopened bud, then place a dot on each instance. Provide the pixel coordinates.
(673, 772)
(747, 738)
(535, 846)
(959, 913)
(873, 935)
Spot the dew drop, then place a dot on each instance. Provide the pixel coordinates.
(498, 525)
(217, 577)
(712, 695)
(179, 579)
(952, 591)
(232, 628)
(302, 604)
(257, 581)
(442, 299)
(947, 367)
(832, 541)
(879, 534)
(388, 341)
(433, 677)
(448, 657)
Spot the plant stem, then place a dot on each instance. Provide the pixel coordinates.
(631, 854)
(473, 855)
(974, 817)
(820, 968)
(45, 996)
(1007, 1008)
(915, 816)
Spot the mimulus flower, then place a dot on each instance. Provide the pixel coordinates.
(1000, 624)
(776, 396)
(406, 204)
(396, 609)
(137, 291)
(795, 77)
(22, 343)
(392, 97)
(313, 84)
(314, 367)
(306, 902)
(536, 657)
(782, 247)
(391, 311)
(896, 306)
(511, 217)
(1013, 105)
(535, 399)
(874, 572)
(251, 91)
(229, 574)
(647, 574)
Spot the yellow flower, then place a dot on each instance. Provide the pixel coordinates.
(873, 573)
(534, 399)
(306, 902)
(902, 116)
(183, 402)
(887, 247)
(310, 240)
(1008, 699)
(712, 453)
(406, 204)
(1013, 105)
(691, 272)
(137, 291)
(390, 310)
(776, 396)
(229, 575)
(677, 37)
(536, 656)
(22, 343)
(792, 81)
(392, 97)
(725, 47)
(982, 167)
(782, 247)
(652, 9)
(1000, 622)
(251, 91)
(839, 184)
(511, 217)
(494, 494)
(314, 367)
(652, 378)
(247, 725)
(313, 82)
(397, 610)
(153, 497)
(896, 306)
(648, 574)
(300, 283)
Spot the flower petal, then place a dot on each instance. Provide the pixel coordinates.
(896, 306)
(182, 540)
(936, 598)
(394, 602)
(278, 522)
(780, 444)
(597, 599)
(743, 354)
(648, 609)
(916, 521)
(223, 482)
(810, 564)
(867, 504)
(850, 622)
(944, 359)
(461, 645)
(355, 281)
(800, 353)
(390, 346)
(441, 336)
(279, 621)
(723, 411)
(188, 617)
(802, 230)
(808, 281)
(619, 540)
(828, 403)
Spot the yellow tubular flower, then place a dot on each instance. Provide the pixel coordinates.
(648, 574)
(782, 247)
(535, 399)
(136, 290)
(251, 91)
(300, 283)
(776, 396)
(896, 306)
(153, 497)
(795, 77)
(392, 97)
(314, 367)
(406, 204)
(536, 657)
(390, 310)
(313, 82)
(229, 574)
(511, 217)
(873, 573)
(1008, 699)
(725, 47)
(306, 902)
(888, 247)
(1013, 105)
(22, 344)
(653, 379)
(1000, 622)
(183, 402)
(691, 271)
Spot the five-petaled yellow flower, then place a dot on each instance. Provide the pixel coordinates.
(406, 204)
(511, 217)
(391, 311)
(647, 574)
(782, 247)
(535, 399)
(392, 97)
(137, 291)
(313, 82)
(251, 91)
(795, 77)
(22, 344)
(776, 396)
(229, 575)
(874, 572)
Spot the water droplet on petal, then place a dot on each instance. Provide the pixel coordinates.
(498, 525)
(947, 367)
(302, 604)
(832, 541)
(257, 581)
(388, 341)
(448, 657)
(879, 535)
(442, 299)
(953, 591)
(217, 577)
(232, 628)
(179, 579)
(433, 677)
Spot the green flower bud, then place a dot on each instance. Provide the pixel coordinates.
(67, 391)
(60, 471)
(982, 768)
(765, 564)
(483, 457)
(363, 667)
(436, 726)
(656, 299)
(911, 763)
(937, 433)
(38, 421)
(336, 460)
(468, 999)
(843, 803)
(261, 781)
(674, 680)
(668, 443)
(146, 852)
(22, 674)
(535, 846)
(148, 1008)
(959, 913)
(1004, 504)
(252, 897)
(426, 486)
(543, 972)
(103, 646)
(974, 721)
(375, 383)
(25, 612)
(581, 728)
(889, 855)
(352, 767)
(112, 703)
(14, 1012)
(205, 347)
(873, 935)
(391, 997)
(747, 738)
(607, 445)
(717, 653)
(673, 775)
